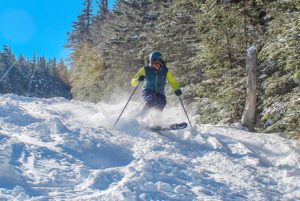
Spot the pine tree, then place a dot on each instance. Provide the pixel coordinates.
(96, 30)
(8, 70)
(123, 37)
(222, 46)
(24, 68)
(85, 78)
(82, 27)
(63, 72)
(279, 69)
(174, 34)
(8, 56)
(103, 9)
(33, 65)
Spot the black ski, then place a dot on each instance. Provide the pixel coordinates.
(176, 126)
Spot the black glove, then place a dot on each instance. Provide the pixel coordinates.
(141, 78)
(178, 92)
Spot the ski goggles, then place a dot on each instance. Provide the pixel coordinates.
(156, 62)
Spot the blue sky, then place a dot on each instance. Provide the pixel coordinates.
(40, 26)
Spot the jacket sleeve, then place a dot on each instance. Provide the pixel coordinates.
(172, 81)
(135, 79)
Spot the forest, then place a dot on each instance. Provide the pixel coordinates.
(204, 43)
(34, 77)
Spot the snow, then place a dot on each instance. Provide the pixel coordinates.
(55, 149)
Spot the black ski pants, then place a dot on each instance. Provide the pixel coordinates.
(153, 100)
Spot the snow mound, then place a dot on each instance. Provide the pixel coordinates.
(54, 149)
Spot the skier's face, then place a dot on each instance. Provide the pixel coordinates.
(156, 65)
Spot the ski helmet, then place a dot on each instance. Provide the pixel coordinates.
(155, 56)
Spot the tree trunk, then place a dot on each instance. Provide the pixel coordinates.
(248, 118)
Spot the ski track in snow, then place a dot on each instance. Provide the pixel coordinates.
(54, 149)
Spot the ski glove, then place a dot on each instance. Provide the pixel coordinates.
(178, 92)
(141, 78)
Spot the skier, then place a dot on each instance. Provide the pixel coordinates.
(155, 75)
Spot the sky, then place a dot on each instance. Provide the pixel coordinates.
(39, 26)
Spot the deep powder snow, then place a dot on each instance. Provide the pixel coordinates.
(54, 149)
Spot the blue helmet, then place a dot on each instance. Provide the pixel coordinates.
(155, 56)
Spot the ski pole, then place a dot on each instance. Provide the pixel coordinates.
(126, 104)
(185, 111)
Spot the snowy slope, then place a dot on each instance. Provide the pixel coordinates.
(54, 149)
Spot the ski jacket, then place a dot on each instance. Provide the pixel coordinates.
(155, 80)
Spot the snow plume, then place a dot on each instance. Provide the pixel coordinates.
(132, 117)
(54, 149)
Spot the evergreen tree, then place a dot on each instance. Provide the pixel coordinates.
(8, 56)
(103, 9)
(102, 13)
(225, 36)
(63, 72)
(33, 66)
(174, 34)
(279, 69)
(24, 68)
(39, 86)
(8, 70)
(81, 28)
(86, 76)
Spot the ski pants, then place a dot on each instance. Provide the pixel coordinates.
(153, 100)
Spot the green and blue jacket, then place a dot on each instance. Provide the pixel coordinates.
(155, 80)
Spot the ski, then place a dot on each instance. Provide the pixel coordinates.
(176, 126)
